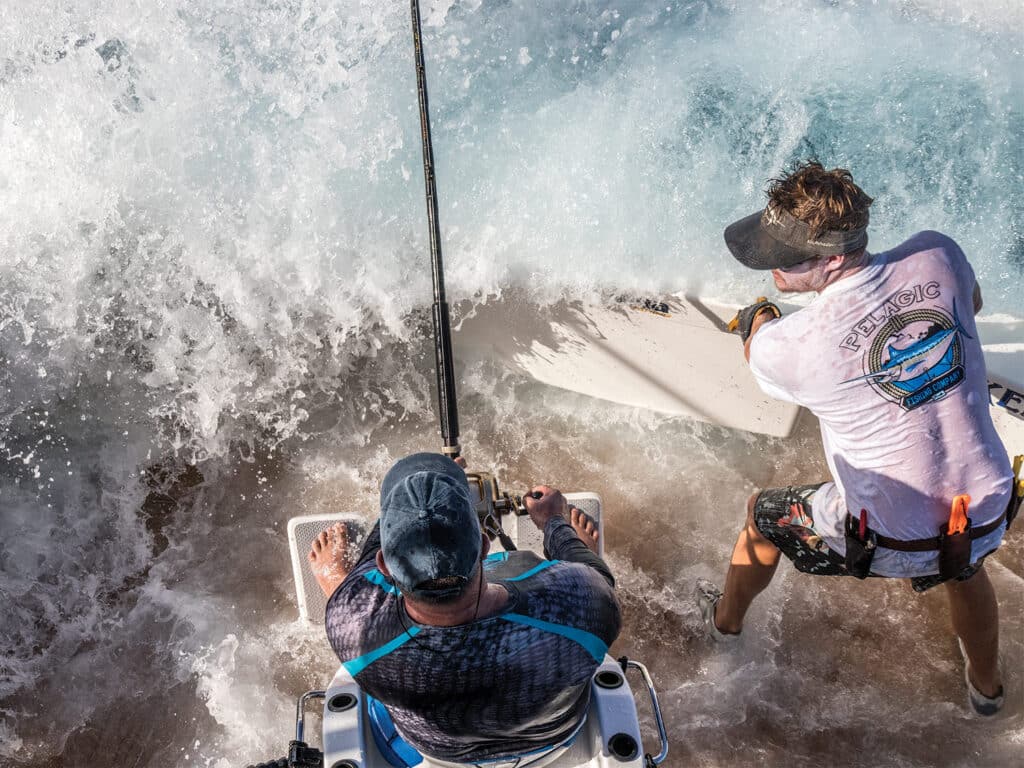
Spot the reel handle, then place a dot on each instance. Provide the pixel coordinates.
(520, 506)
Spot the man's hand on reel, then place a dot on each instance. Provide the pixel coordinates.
(544, 502)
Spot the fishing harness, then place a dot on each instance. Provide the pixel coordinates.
(953, 541)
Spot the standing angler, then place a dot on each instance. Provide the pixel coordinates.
(887, 357)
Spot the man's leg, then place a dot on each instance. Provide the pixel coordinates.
(753, 564)
(975, 614)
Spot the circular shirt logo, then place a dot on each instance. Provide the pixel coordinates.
(916, 358)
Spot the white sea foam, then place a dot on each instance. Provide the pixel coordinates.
(221, 181)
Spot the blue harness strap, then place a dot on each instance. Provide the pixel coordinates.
(376, 577)
(594, 645)
(390, 743)
(533, 571)
(357, 665)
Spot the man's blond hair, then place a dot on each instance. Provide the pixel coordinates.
(824, 200)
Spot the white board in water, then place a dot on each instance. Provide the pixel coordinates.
(676, 358)
(682, 361)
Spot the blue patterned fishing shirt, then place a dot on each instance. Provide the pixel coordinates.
(507, 684)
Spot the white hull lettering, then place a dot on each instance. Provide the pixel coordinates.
(1004, 397)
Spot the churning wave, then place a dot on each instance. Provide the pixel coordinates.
(213, 282)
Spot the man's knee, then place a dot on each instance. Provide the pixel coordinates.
(972, 585)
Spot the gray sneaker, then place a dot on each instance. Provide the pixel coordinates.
(707, 594)
(981, 704)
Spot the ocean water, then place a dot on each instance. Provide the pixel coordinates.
(214, 294)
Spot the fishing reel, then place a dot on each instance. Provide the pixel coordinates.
(492, 503)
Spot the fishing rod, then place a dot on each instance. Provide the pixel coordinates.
(445, 368)
(493, 503)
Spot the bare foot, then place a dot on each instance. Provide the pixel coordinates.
(585, 527)
(329, 558)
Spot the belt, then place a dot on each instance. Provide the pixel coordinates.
(933, 543)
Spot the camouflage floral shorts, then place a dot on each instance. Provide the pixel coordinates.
(784, 516)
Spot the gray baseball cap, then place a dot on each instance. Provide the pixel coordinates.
(775, 239)
(429, 528)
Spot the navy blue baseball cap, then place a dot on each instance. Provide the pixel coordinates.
(429, 528)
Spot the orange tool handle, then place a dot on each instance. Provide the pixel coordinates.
(958, 514)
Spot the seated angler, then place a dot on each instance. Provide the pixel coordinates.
(473, 658)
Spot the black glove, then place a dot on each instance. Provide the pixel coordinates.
(744, 319)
